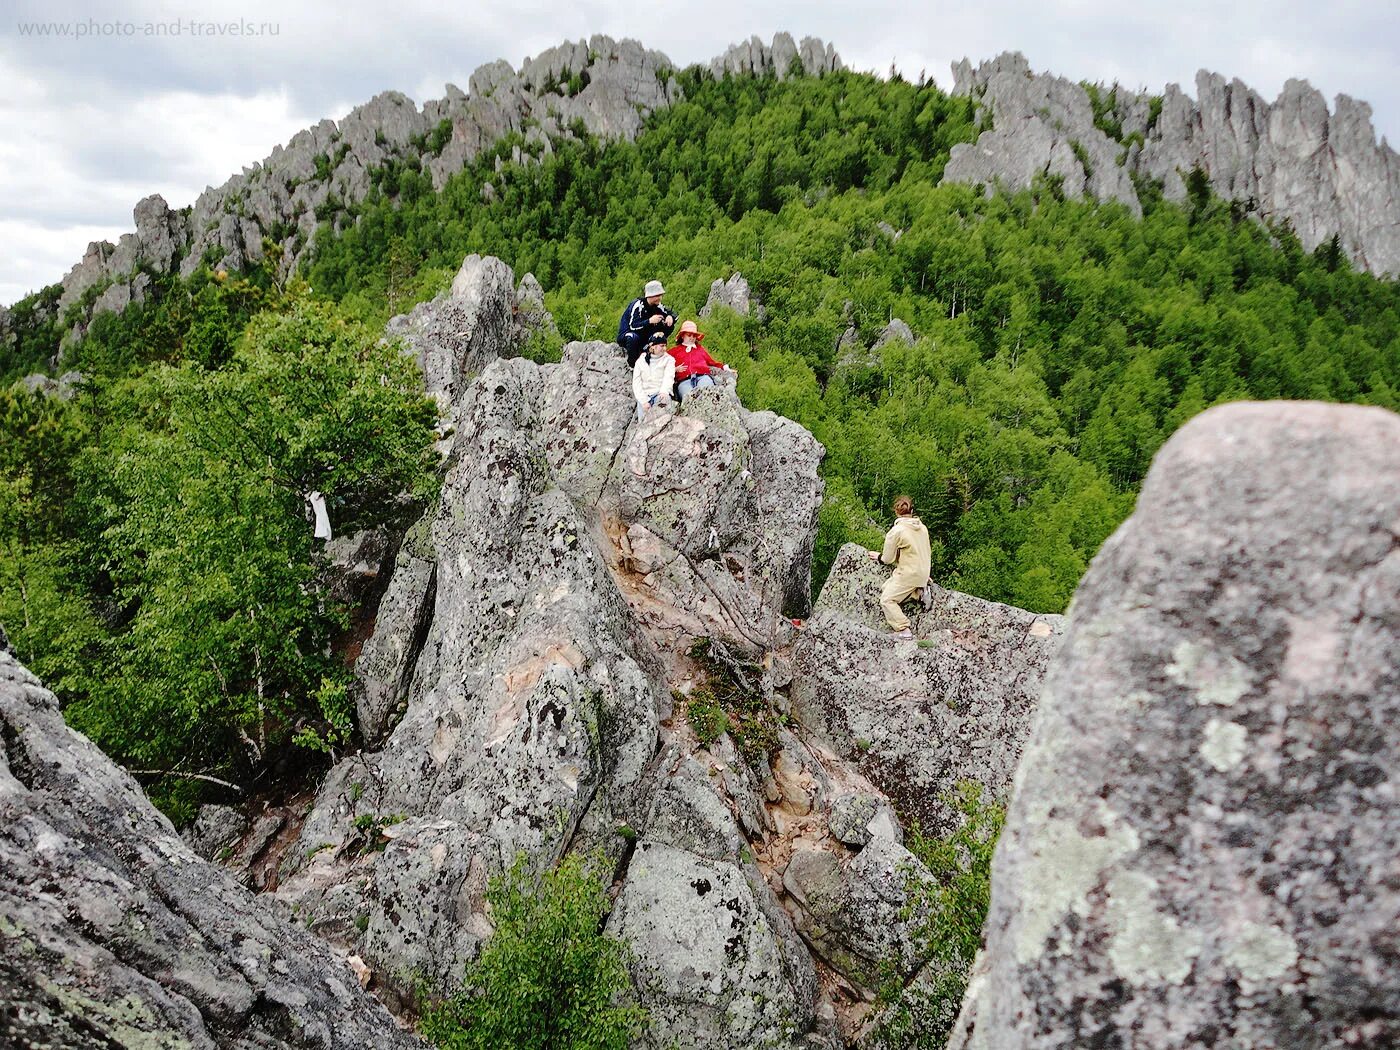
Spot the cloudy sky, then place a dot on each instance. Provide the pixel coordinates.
(92, 121)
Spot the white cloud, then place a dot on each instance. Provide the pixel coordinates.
(31, 248)
(72, 169)
(94, 125)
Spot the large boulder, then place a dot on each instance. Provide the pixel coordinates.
(920, 718)
(1202, 847)
(456, 335)
(528, 719)
(114, 933)
(731, 294)
(714, 956)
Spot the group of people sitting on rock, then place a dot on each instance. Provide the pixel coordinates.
(662, 376)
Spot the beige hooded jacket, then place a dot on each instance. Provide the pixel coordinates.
(907, 549)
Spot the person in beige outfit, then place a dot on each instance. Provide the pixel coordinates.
(907, 549)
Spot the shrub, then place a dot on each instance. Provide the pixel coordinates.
(954, 907)
(548, 978)
(731, 701)
(705, 716)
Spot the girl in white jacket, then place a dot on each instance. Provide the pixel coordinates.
(654, 376)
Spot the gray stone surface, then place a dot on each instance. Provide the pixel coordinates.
(384, 667)
(114, 933)
(855, 911)
(532, 318)
(731, 294)
(894, 332)
(1041, 125)
(531, 718)
(755, 58)
(215, 829)
(856, 817)
(920, 717)
(1324, 172)
(1202, 847)
(716, 959)
(456, 335)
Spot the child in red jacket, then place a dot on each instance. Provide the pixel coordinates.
(693, 362)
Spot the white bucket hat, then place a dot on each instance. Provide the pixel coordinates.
(654, 288)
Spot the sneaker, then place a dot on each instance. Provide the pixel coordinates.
(905, 635)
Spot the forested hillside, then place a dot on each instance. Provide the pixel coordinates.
(152, 528)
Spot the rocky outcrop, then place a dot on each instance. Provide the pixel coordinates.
(920, 718)
(532, 317)
(574, 556)
(708, 936)
(731, 294)
(894, 332)
(270, 212)
(114, 933)
(755, 58)
(65, 387)
(457, 334)
(1040, 125)
(1202, 845)
(1291, 160)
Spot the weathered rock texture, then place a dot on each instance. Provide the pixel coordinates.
(1202, 847)
(521, 669)
(270, 212)
(114, 933)
(920, 717)
(731, 294)
(1323, 172)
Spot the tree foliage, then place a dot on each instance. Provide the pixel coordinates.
(152, 531)
(549, 978)
(174, 498)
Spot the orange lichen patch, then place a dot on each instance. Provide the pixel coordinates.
(526, 673)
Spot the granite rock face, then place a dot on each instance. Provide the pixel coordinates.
(114, 933)
(574, 555)
(1041, 125)
(731, 294)
(755, 58)
(1202, 845)
(708, 935)
(1292, 159)
(894, 332)
(920, 717)
(457, 334)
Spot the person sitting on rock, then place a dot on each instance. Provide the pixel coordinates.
(643, 318)
(653, 376)
(907, 549)
(693, 362)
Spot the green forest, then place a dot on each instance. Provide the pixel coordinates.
(158, 571)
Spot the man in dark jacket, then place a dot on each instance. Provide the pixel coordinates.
(642, 318)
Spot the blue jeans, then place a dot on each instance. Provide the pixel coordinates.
(693, 383)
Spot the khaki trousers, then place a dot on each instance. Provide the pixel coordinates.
(894, 592)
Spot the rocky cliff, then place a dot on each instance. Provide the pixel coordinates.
(114, 933)
(1201, 835)
(1202, 847)
(1293, 160)
(526, 686)
(603, 86)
